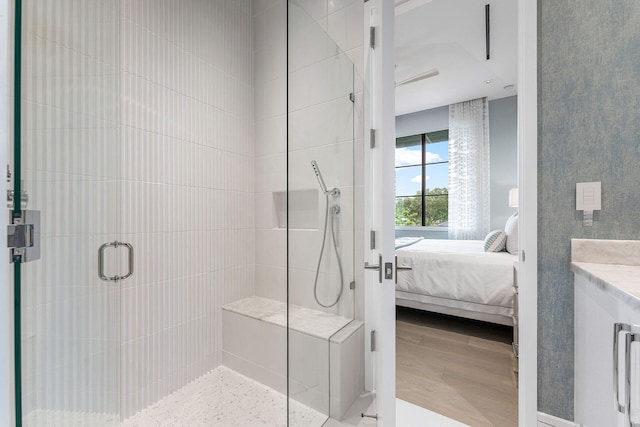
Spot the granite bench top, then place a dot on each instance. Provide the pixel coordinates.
(315, 323)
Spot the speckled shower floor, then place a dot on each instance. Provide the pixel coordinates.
(220, 398)
(223, 397)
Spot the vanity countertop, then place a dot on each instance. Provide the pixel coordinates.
(612, 265)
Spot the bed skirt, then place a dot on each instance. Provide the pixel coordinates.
(492, 314)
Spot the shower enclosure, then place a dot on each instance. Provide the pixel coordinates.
(167, 147)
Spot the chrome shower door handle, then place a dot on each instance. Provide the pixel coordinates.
(115, 278)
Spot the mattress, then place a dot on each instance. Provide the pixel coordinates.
(457, 274)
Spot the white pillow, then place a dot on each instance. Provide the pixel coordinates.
(495, 241)
(511, 229)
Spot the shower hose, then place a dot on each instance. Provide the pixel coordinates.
(334, 211)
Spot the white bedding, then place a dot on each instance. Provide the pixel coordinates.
(457, 274)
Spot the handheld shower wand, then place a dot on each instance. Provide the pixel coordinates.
(335, 210)
(316, 169)
(323, 186)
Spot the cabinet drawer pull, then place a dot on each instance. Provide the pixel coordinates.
(617, 328)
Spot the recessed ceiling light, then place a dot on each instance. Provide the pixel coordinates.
(488, 82)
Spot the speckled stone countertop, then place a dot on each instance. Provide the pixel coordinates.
(612, 265)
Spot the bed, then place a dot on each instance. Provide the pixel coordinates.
(456, 277)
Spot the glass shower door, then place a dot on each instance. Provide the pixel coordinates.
(69, 157)
(325, 334)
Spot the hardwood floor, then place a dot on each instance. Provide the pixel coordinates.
(460, 368)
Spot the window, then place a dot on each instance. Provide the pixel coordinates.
(422, 179)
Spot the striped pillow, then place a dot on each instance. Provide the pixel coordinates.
(496, 241)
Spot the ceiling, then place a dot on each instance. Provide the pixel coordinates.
(449, 36)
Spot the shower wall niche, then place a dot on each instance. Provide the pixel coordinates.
(299, 207)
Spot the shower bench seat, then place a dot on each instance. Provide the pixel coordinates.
(326, 351)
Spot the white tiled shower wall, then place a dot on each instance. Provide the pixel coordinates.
(188, 189)
(270, 112)
(320, 128)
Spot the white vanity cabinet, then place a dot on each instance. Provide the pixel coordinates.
(600, 381)
(595, 314)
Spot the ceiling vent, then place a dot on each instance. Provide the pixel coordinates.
(417, 78)
(403, 6)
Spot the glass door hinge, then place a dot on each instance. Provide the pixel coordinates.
(23, 236)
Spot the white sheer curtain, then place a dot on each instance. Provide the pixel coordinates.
(469, 170)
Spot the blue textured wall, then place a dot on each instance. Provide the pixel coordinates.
(503, 137)
(589, 130)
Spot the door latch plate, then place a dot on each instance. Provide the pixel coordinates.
(388, 270)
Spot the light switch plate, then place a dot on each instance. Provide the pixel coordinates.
(588, 196)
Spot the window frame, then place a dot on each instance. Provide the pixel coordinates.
(424, 140)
